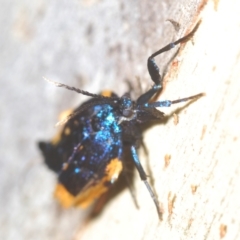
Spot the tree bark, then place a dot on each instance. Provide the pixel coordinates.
(95, 45)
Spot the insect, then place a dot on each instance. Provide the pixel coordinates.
(88, 154)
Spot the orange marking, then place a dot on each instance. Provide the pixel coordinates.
(67, 131)
(106, 93)
(89, 194)
(56, 139)
(65, 114)
(64, 197)
(65, 166)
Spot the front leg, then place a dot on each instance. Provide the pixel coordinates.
(153, 69)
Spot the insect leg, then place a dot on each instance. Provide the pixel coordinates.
(143, 177)
(168, 103)
(153, 69)
(131, 188)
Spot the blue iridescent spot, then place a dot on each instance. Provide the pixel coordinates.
(77, 170)
(127, 103)
(110, 118)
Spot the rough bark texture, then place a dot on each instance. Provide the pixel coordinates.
(97, 45)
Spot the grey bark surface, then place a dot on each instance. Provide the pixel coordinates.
(97, 45)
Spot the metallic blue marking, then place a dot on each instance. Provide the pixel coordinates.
(127, 102)
(166, 103)
(77, 170)
(85, 132)
(134, 155)
(138, 164)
